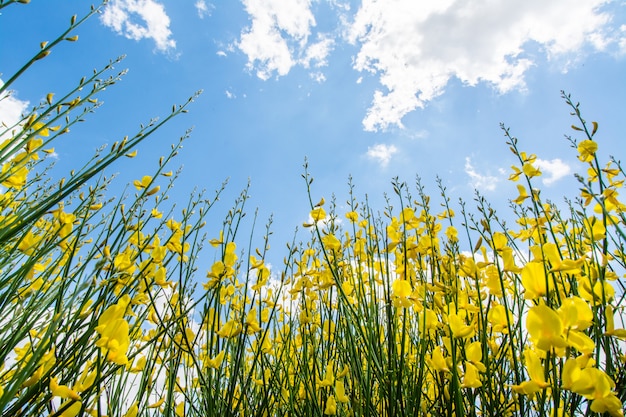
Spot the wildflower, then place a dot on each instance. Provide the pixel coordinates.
(545, 327)
(123, 262)
(587, 150)
(252, 323)
(318, 214)
(113, 330)
(474, 355)
(331, 243)
(340, 390)
(17, 177)
(230, 329)
(530, 170)
(458, 327)
(610, 324)
(331, 406)
(401, 290)
(516, 174)
(535, 370)
(497, 317)
(158, 403)
(70, 410)
(132, 410)
(534, 280)
(63, 391)
(329, 378)
(139, 365)
(437, 362)
(575, 313)
(595, 385)
(470, 378)
(216, 362)
(144, 183)
(523, 194)
(352, 216)
(180, 409)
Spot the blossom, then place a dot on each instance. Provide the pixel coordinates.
(587, 150)
(114, 332)
(331, 406)
(545, 327)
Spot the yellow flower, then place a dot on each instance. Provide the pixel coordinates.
(331, 243)
(230, 329)
(523, 194)
(458, 327)
(132, 410)
(401, 288)
(470, 378)
(63, 391)
(586, 150)
(180, 409)
(124, 263)
(16, 178)
(474, 354)
(252, 322)
(516, 173)
(497, 317)
(530, 170)
(331, 406)
(113, 330)
(144, 183)
(139, 365)
(158, 403)
(534, 280)
(352, 216)
(329, 378)
(610, 324)
(593, 384)
(535, 372)
(216, 362)
(437, 362)
(340, 390)
(575, 313)
(545, 328)
(72, 410)
(318, 214)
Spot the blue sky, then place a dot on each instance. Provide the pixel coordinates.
(366, 88)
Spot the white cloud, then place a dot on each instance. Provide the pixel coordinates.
(417, 47)
(11, 110)
(203, 8)
(278, 37)
(317, 53)
(230, 94)
(482, 182)
(381, 153)
(140, 19)
(319, 77)
(555, 169)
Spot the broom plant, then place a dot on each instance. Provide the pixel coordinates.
(411, 310)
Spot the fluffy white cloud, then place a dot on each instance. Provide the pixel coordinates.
(381, 153)
(140, 19)
(417, 47)
(11, 110)
(552, 170)
(278, 37)
(481, 182)
(317, 53)
(203, 8)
